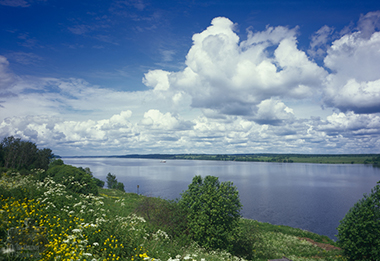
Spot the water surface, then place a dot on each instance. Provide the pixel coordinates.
(314, 197)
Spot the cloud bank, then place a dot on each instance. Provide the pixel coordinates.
(233, 96)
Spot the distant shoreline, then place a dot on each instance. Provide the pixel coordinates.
(373, 159)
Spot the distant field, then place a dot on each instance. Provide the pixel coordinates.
(373, 159)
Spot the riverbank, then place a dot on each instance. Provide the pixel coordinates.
(57, 223)
(271, 241)
(371, 159)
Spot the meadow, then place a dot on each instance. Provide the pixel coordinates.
(43, 220)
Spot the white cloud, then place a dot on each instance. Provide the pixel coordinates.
(369, 23)
(273, 112)
(352, 124)
(232, 97)
(157, 79)
(233, 77)
(355, 81)
(154, 119)
(319, 41)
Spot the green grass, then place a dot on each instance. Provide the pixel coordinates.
(113, 198)
(272, 241)
(105, 227)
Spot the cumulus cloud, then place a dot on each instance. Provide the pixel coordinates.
(273, 112)
(156, 120)
(157, 79)
(354, 84)
(233, 96)
(351, 123)
(233, 77)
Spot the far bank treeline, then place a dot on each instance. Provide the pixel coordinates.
(373, 159)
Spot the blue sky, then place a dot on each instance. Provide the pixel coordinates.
(135, 76)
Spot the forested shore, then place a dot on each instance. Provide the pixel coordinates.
(373, 159)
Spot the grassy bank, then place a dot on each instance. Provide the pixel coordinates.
(271, 242)
(73, 226)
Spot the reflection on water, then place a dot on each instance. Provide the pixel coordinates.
(313, 197)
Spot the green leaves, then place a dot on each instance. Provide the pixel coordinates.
(75, 179)
(213, 211)
(359, 230)
(112, 183)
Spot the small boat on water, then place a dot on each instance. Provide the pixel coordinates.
(163, 161)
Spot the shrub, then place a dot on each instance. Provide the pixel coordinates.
(243, 243)
(75, 179)
(213, 211)
(55, 162)
(98, 182)
(359, 230)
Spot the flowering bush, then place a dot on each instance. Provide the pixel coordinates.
(75, 179)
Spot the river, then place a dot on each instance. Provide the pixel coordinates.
(313, 197)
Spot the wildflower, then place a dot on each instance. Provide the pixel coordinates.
(7, 250)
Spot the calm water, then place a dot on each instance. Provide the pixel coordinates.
(314, 197)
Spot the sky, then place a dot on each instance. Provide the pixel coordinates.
(118, 77)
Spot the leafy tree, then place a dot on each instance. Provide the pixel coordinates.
(213, 211)
(120, 186)
(17, 154)
(98, 182)
(111, 181)
(43, 158)
(55, 162)
(359, 230)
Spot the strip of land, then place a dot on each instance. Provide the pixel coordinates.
(373, 159)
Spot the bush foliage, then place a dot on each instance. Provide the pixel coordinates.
(112, 183)
(359, 230)
(213, 211)
(75, 179)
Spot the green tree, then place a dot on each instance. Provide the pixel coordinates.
(213, 211)
(55, 162)
(23, 155)
(111, 181)
(359, 230)
(98, 182)
(120, 186)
